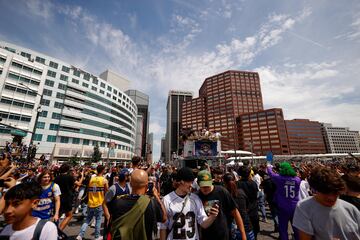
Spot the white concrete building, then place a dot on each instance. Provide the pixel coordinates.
(340, 139)
(78, 109)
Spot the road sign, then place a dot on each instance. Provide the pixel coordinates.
(18, 132)
(269, 156)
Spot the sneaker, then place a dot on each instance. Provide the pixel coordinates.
(93, 224)
(78, 237)
(77, 211)
(99, 238)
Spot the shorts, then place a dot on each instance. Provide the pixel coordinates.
(65, 205)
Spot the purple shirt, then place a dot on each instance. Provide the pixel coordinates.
(287, 189)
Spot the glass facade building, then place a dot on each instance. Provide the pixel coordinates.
(77, 109)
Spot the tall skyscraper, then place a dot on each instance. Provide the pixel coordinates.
(222, 98)
(174, 116)
(305, 136)
(142, 102)
(263, 131)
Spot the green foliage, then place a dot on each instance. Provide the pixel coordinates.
(74, 160)
(96, 156)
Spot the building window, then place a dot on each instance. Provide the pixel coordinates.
(49, 83)
(65, 69)
(54, 127)
(109, 88)
(51, 138)
(76, 140)
(85, 85)
(86, 142)
(108, 94)
(38, 137)
(47, 92)
(43, 113)
(62, 86)
(86, 76)
(53, 64)
(102, 91)
(94, 143)
(64, 139)
(93, 88)
(51, 74)
(40, 125)
(40, 60)
(63, 77)
(95, 80)
(102, 85)
(76, 73)
(56, 115)
(45, 102)
(115, 91)
(102, 144)
(60, 95)
(75, 81)
(58, 105)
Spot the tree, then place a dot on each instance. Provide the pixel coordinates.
(74, 160)
(96, 156)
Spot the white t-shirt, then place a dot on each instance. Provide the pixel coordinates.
(49, 232)
(186, 224)
(304, 190)
(257, 180)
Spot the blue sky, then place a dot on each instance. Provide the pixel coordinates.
(306, 52)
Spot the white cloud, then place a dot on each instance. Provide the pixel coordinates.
(39, 8)
(311, 91)
(156, 128)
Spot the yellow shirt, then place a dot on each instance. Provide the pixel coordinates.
(96, 191)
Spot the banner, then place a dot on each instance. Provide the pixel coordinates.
(205, 148)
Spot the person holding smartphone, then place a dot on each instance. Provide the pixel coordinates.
(219, 197)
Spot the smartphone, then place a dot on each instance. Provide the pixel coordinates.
(150, 189)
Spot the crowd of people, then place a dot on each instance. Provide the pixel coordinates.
(320, 200)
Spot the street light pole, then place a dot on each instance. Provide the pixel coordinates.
(38, 110)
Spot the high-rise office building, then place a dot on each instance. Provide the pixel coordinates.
(340, 139)
(142, 102)
(174, 116)
(78, 110)
(162, 151)
(263, 131)
(149, 148)
(222, 98)
(305, 136)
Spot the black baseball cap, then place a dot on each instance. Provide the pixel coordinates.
(185, 174)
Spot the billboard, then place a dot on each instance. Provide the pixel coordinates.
(205, 148)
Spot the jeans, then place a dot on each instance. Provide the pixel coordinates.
(261, 202)
(92, 212)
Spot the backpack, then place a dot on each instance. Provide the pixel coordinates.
(131, 225)
(40, 225)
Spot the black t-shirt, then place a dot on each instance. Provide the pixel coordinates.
(153, 213)
(66, 183)
(220, 228)
(242, 203)
(250, 188)
(353, 200)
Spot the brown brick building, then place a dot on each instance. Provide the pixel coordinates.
(265, 131)
(224, 97)
(305, 136)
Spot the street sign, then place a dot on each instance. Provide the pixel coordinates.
(269, 156)
(18, 132)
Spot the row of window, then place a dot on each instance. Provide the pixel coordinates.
(23, 79)
(26, 68)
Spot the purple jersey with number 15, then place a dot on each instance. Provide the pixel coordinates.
(287, 189)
